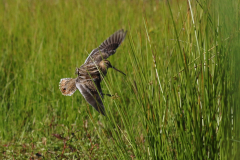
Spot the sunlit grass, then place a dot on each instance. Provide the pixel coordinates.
(176, 102)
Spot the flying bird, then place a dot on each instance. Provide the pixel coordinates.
(92, 72)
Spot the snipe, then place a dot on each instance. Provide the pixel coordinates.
(91, 73)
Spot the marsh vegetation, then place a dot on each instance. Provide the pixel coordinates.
(178, 101)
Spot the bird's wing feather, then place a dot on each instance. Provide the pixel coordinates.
(107, 48)
(92, 94)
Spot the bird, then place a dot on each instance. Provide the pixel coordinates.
(92, 72)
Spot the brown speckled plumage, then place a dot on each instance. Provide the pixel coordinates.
(90, 74)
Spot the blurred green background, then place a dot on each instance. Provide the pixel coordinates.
(179, 99)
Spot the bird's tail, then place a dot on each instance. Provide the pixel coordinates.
(67, 86)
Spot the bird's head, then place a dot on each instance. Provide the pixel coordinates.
(105, 64)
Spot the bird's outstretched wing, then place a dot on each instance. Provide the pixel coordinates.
(92, 92)
(107, 48)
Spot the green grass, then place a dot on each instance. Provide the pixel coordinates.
(179, 99)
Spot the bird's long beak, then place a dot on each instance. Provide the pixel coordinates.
(119, 71)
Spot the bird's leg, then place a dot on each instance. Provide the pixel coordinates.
(109, 95)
